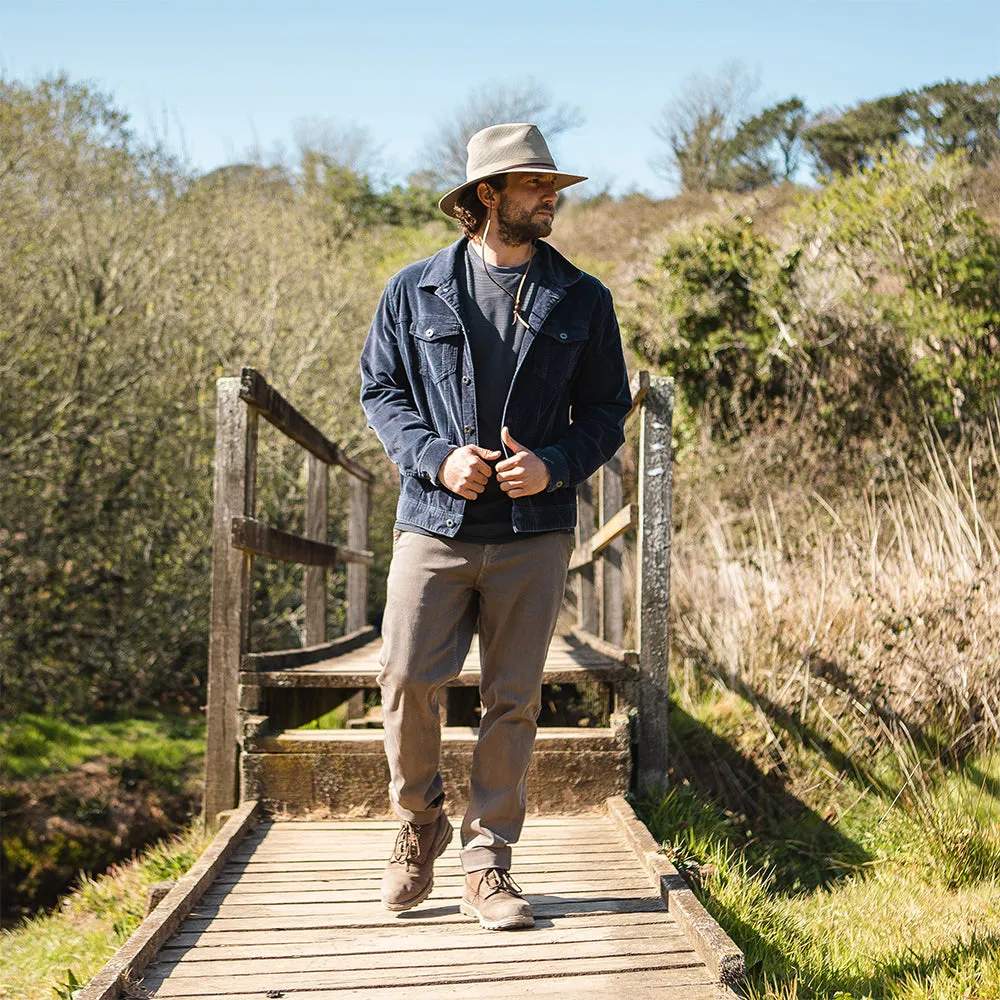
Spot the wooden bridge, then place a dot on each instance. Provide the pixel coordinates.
(284, 902)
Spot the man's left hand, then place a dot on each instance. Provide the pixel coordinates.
(524, 473)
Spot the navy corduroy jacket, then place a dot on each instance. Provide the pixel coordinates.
(567, 401)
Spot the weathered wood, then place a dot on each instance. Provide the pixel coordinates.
(255, 390)
(264, 540)
(317, 492)
(676, 969)
(338, 772)
(605, 649)
(283, 659)
(357, 538)
(235, 476)
(619, 523)
(353, 662)
(653, 578)
(715, 948)
(628, 927)
(612, 625)
(588, 613)
(640, 984)
(639, 386)
(141, 947)
(429, 933)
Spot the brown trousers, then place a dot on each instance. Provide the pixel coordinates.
(437, 591)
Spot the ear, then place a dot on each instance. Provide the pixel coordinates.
(485, 193)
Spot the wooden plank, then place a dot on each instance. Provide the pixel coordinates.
(588, 613)
(326, 652)
(235, 476)
(517, 957)
(305, 876)
(262, 539)
(612, 622)
(715, 948)
(639, 386)
(373, 915)
(300, 944)
(639, 984)
(317, 493)
(445, 887)
(603, 648)
(585, 552)
(653, 579)
(255, 390)
(133, 956)
(357, 538)
(473, 972)
(656, 922)
(290, 867)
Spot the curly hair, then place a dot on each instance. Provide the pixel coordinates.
(469, 210)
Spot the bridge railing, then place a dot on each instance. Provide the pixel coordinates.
(238, 536)
(600, 582)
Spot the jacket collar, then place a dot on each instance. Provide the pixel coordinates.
(555, 271)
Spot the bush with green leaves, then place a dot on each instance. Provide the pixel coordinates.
(874, 307)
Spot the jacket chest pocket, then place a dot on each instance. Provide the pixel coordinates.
(557, 352)
(436, 346)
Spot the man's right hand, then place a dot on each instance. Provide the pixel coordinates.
(465, 471)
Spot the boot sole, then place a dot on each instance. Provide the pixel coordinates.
(503, 924)
(426, 891)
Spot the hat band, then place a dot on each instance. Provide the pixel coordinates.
(544, 167)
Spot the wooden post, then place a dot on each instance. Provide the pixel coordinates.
(357, 573)
(235, 482)
(612, 610)
(317, 491)
(653, 578)
(587, 611)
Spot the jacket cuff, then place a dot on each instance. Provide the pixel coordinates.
(555, 462)
(433, 455)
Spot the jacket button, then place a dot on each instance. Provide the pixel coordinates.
(466, 380)
(559, 484)
(450, 523)
(467, 429)
(562, 336)
(430, 331)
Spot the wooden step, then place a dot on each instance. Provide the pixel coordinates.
(569, 661)
(344, 772)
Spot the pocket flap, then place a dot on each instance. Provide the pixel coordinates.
(432, 330)
(566, 334)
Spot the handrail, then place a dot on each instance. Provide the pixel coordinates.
(238, 536)
(271, 405)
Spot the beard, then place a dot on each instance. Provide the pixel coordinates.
(517, 226)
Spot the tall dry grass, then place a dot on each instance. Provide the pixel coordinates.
(881, 610)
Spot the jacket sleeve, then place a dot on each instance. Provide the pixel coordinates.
(409, 441)
(600, 401)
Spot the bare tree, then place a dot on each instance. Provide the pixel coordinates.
(444, 153)
(700, 125)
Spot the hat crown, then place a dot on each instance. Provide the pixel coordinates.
(498, 148)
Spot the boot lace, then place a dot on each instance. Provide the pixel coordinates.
(498, 880)
(407, 847)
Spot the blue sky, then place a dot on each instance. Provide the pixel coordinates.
(218, 77)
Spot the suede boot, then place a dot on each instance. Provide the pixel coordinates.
(409, 875)
(495, 899)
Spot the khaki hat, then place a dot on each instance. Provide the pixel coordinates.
(517, 148)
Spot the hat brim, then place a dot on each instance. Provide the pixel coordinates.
(448, 201)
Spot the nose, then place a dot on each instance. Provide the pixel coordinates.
(550, 196)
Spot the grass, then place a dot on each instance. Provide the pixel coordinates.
(46, 955)
(158, 747)
(881, 880)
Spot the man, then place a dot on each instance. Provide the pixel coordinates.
(475, 361)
